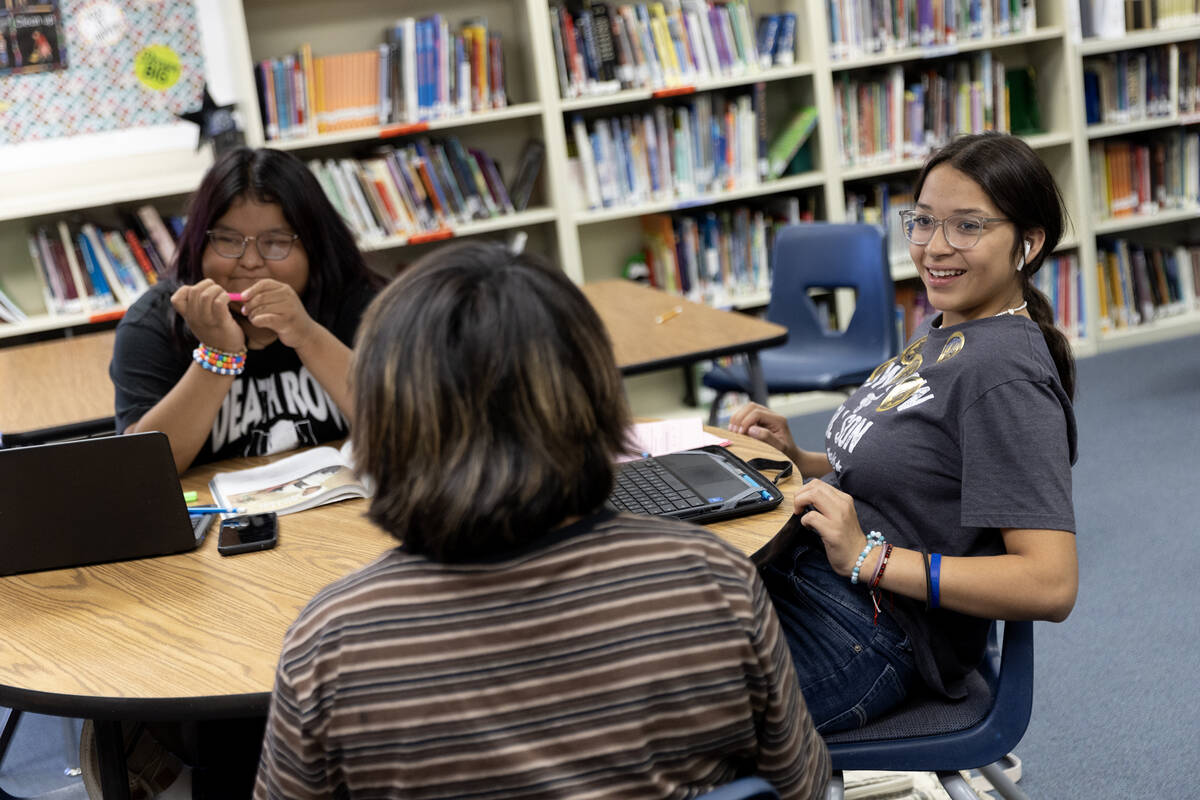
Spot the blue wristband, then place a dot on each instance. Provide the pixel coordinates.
(935, 575)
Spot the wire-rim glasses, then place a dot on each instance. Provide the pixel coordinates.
(962, 231)
(271, 246)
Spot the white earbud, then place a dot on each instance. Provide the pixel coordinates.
(1021, 263)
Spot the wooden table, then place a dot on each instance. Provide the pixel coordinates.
(641, 343)
(196, 635)
(57, 382)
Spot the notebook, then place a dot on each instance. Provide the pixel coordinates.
(89, 501)
(701, 485)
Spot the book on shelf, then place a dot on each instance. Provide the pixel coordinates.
(1145, 176)
(707, 143)
(306, 480)
(866, 27)
(904, 112)
(424, 186)
(421, 70)
(528, 167)
(1140, 283)
(600, 48)
(789, 140)
(9, 310)
(716, 256)
(151, 222)
(82, 267)
(879, 203)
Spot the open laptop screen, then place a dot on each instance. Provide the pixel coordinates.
(89, 501)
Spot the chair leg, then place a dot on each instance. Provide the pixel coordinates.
(713, 415)
(1002, 783)
(956, 786)
(6, 735)
(837, 788)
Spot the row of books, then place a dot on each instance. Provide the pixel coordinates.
(905, 115)
(1139, 283)
(84, 267)
(708, 143)
(603, 47)
(1061, 280)
(1144, 177)
(422, 71)
(912, 308)
(1113, 18)
(718, 255)
(426, 186)
(1134, 85)
(9, 310)
(866, 27)
(880, 204)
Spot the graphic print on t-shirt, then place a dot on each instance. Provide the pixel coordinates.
(275, 413)
(896, 385)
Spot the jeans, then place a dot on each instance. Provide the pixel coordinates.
(851, 667)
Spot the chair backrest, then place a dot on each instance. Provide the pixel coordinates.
(834, 255)
(934, 735)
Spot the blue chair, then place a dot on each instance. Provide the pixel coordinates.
(743, 789)
(932, 735)
(822, 255)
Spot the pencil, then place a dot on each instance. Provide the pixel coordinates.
(666, 315)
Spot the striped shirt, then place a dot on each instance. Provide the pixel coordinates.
(620, 656)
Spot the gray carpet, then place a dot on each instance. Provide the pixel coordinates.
(1115, 706)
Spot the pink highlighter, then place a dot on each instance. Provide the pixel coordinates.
(235, 297)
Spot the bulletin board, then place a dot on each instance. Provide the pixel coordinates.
(118, 65)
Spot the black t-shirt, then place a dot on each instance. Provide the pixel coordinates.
(966, 432)
(274, 405)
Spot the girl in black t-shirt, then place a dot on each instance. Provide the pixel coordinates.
(246, 350)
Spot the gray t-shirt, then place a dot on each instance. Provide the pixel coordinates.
(966, 432)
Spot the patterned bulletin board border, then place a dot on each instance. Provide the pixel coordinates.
(130, 64)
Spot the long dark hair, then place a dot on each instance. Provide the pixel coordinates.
(1021, 186)
(274, 176)
(487, 403)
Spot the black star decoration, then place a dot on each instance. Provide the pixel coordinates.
(217, 124)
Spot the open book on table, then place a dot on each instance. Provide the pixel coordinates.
(306, 480)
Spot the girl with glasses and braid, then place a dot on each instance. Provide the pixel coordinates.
(245, 349)
(945, 500)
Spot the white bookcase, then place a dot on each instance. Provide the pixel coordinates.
(593, 244)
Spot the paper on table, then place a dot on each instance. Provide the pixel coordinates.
(670, 436)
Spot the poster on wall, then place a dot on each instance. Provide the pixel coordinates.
(118, 73)
(31, 37)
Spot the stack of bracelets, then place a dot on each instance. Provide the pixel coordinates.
(219, 361)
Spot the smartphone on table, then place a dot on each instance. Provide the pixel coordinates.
(247, 533)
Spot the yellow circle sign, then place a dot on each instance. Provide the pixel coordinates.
(157, 67)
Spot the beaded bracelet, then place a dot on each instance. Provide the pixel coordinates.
(219, 361)
(882, 565)
(873, 538)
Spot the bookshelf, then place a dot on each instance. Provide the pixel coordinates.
(595, 243)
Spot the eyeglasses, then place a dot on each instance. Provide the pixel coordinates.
(962, 231)
(271, 246)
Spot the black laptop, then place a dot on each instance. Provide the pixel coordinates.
(702, 485)
(90, 501)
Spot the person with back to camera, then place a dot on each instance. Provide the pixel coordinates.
(522, 642)
(946, 501)
(223, 377)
